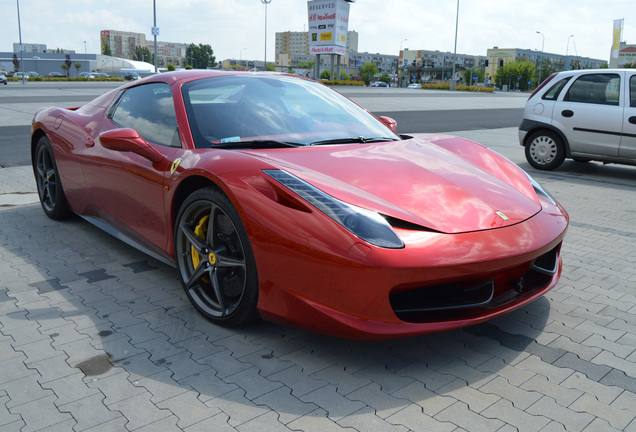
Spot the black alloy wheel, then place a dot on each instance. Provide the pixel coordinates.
(47, 179)
(215, 260)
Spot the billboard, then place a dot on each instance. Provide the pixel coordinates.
(328, 26)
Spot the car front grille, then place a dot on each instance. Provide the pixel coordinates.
(468, 298)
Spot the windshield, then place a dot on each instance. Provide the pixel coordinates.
(230, 110)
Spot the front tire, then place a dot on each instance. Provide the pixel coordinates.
(215, 260)
(47, 179)
(545, 150)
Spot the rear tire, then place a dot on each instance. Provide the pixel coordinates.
(545, 150)
(49, 184)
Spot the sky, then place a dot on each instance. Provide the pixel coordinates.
(236, 28)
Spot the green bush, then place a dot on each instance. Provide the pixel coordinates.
(446, 86)
(344, 82)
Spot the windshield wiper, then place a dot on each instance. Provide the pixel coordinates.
(258, 144)
(348, 140)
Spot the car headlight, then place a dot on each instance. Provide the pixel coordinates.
(540, 190)
(365, 224)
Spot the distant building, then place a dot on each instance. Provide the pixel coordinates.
(170, 53)
(30, 48)
(428, 66)
(46, 63)
(292, 48)
(121, 44)
(386, 63)
(124, 45)
(626, 55)
(498, 57)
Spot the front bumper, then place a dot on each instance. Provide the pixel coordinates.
(366, 293)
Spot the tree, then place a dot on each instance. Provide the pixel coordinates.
(144, 55)
(270, 67)
(368, 71)
(386, 78)
(77, 66)
(515, 72)
(326, 75)
(64, 67)
(546, 69)
(469, 73)
(68, 64)
(308, 64)
(200, 56)
(105, 48)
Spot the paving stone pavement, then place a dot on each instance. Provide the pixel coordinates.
(96, 336)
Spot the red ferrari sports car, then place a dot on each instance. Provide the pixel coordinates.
(275, 196)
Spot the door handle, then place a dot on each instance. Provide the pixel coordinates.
(567, 113)
(632, 120)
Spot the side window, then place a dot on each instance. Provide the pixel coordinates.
(632, 91)
(555, 90)
(149, 110)
(595, 89)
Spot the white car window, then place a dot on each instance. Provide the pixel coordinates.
(595, 89)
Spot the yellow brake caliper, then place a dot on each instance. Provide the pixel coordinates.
(200, 231)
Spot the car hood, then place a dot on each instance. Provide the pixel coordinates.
(439, 182)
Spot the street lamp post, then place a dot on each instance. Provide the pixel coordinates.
(567, 49)
(155, 30)
(265, 2)
(576, 53)
(541, 64)
(403, 72)
(455, 52)
(21, 46)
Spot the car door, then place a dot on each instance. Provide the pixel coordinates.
(590, 114)
(627, 148)
(128, 185)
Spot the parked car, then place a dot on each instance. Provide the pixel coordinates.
(102, 75)
(3, 79)
(55, 75)
(414, 85)
(87, 75)
(582, 115)
(131, 76)
(275, 196)
(379, 84)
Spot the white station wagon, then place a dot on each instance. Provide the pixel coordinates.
(583, 115)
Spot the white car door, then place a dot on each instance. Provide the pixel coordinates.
(590, 114)
(628, 139)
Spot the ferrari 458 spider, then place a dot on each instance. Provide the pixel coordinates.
(275, 196)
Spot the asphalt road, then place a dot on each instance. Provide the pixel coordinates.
(14, 149)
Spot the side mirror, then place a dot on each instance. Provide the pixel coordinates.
(129, 140)
(389, 122)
